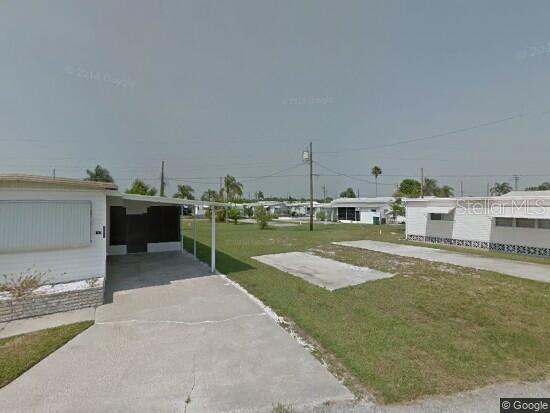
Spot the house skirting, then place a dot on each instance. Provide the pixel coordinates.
(485, 245)
(41, 304)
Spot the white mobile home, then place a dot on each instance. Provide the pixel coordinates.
(361, 210)
(63, 229)
(518, 222)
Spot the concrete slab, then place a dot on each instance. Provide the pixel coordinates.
(164, 340)
(537, 272)
(28, 325)
(324, 272)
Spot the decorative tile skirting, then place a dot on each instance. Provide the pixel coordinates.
(41, 304)
(491, 246)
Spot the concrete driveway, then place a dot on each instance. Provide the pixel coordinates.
(537, 272)
(174, 333)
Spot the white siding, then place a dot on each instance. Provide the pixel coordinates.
(164, 246)
(367, 215)
(64, 264)
(416, 220)
(476, 224)
(529, 237)
(44, 225)
(472, 227)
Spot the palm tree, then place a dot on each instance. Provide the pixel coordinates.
(184, 192)
(500, 188)
(445, 191)
(99, 174)
(376, 172)
(209, 195)
(232, 189)
(430, 187)
(141, 188)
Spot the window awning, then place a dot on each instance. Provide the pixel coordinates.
(440, 210)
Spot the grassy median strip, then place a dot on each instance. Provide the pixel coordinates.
(432, 329)
(20, 353)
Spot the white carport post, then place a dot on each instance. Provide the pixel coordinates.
(195, 207)
(213, 240)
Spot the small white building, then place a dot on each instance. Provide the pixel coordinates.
(361, 210)
(518, 222)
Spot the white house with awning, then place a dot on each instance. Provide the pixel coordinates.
(60, 232)
(361, 210)
(518, 222)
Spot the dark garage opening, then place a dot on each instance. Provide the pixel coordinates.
(160, 224)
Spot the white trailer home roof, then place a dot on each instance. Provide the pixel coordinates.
(163, 200)
(23, 180)
(359, 202)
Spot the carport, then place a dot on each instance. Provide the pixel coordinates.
(149, 224)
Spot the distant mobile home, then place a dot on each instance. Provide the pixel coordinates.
(361, 210)
(518, 222)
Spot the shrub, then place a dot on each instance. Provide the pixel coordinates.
(234, 215)
(321, 215)
(220, 214)
(262, 217)
(24, 283)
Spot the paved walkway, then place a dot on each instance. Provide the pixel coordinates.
(174, 333)
(324, 272)
(27, 325)
(538, 272)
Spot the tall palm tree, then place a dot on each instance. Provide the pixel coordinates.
(232, 189)
(184, 192)
(500, 188)
(141, 188)
(376, 172)
(99, 174)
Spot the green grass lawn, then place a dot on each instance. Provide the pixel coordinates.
(20, 353)
(432, 329)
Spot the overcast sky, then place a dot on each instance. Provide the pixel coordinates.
(240, 87)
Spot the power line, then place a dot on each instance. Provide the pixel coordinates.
(440, 135)
(349, 176)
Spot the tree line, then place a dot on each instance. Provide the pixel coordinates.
(231, 191)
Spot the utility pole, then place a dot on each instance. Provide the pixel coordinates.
(310, 186)
(54, 172)
(324, 193)
(421, 182)
(358, 193)
(221, 186)
(516, 181)
(461, 188)
(162, 179)
(488, 190)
